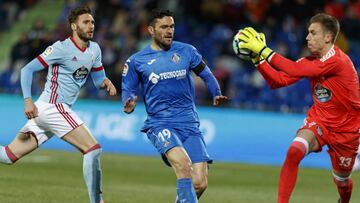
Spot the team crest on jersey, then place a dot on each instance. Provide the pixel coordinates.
(125, 69)
(80, 74)
(322, 94)
(48, 51)
(175, 58)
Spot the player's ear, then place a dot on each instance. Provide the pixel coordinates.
(151, 30)
(328, 37)
(73, 26)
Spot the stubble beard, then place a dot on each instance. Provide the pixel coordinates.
(83, 36)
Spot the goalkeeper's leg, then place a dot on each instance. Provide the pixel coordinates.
(304, 141)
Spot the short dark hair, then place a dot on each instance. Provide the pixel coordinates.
(330, 23)
(158, 13)
(76, 12)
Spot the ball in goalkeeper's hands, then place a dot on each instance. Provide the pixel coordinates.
(242, 53)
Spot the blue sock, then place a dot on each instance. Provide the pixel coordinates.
(92, 174)
(185, 191)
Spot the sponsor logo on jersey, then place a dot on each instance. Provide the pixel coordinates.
(178, 74)
(80, 74)
(48, 51)
(322, 94)
(154, 78)
(175, 58)
(125, 69)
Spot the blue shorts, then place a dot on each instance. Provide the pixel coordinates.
(190, 138)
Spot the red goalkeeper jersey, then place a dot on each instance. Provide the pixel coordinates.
(334, 86)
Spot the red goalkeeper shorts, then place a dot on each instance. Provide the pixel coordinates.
(342, 147)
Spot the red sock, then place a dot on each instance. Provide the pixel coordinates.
(289, 170)
(345, 189)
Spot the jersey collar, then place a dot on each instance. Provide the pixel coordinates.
(73, 41)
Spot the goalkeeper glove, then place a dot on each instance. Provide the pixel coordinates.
(258, 59)
(254, 43)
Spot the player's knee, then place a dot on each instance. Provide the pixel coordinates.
(342, 181)
(182, 166)
(96, 149)
(23, 137)
(200, 184)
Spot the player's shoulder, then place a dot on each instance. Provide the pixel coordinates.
(56, 47)
(94, 45)
(141, 54)
(182, 45)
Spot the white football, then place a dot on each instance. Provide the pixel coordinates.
(244, 54)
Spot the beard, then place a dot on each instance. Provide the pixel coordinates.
(83, 36)
(162, 44)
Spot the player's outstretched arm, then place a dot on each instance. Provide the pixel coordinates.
(26, 77)
(213, 86)
(108, 85)
(274, 78)
(129, 105)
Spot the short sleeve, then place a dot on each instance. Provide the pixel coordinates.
(98, 58)
(52, 55)
(196, 57)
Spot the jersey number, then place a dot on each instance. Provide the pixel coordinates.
(345, 161)
(164, 135)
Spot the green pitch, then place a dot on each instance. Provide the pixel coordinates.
(56, 177)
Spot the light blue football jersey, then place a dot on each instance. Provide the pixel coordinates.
(168, 86)
(68, 68)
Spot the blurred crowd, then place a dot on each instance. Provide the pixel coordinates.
(209, 25)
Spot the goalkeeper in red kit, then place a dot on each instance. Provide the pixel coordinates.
(333, 119)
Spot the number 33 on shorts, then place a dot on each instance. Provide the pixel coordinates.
(345, 161)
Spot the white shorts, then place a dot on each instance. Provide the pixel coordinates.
(53, 119)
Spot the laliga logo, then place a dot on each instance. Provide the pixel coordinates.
(154, 78)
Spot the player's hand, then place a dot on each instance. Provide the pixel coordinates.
(107, 84)
(254, 42)
(130, 104)
(257, 59)
(30, 109)
(219, 100)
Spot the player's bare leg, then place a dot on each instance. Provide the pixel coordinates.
(304, 143)
(181, 164)
(82, 139)
(199, 176)
(23, 144)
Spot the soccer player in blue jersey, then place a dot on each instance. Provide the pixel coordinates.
(69, 63)
(164, 69)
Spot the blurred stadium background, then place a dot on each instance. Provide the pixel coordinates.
(251, 132)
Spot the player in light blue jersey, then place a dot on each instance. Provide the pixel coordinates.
(164, 69)
(69, 64)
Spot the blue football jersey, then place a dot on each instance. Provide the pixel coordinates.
(68, 68)
(168, 87)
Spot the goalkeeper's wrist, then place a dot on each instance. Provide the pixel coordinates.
(266, 52)
(257, 63)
